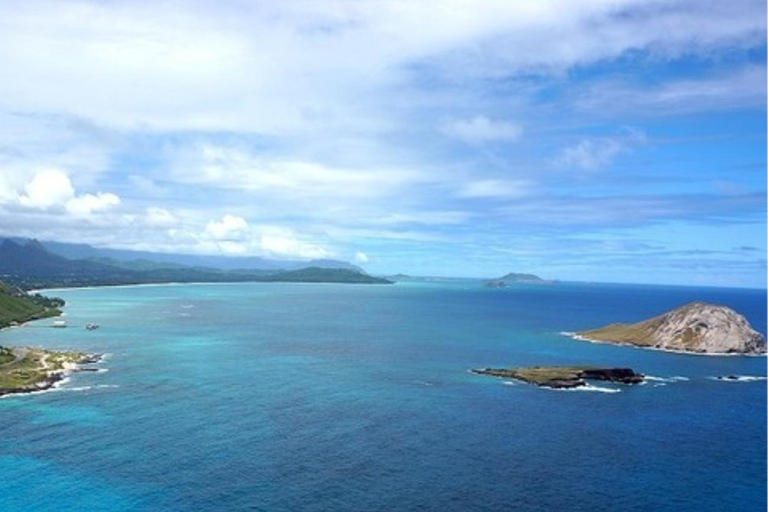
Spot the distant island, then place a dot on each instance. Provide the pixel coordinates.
(30, 265)
(564, 377)
(697, 328)
(514, 277)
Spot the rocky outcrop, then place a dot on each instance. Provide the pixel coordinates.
(698, 327)
(563, 377)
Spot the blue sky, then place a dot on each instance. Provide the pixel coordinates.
(597, 140)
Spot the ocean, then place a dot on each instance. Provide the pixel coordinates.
(324, 397)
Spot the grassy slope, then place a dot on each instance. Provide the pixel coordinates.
(641, 333)
(33, 369)
(20, 309)
(541, 375)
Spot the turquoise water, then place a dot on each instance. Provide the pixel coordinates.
(288, 397)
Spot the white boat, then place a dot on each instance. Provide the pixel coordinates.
(92, 326)
(59, 323)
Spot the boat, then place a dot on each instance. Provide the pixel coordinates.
(59, 324)
(92, 326)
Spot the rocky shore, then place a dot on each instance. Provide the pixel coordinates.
(29, 370)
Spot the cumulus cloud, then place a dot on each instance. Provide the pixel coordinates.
(229, 228)
(52, 188)
(361, 257)
(91, 203)
(49, 187)
(480, 129)
(283, 243)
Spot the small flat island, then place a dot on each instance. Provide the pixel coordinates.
(560, 377)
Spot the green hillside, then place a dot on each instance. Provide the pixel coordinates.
(16, 306)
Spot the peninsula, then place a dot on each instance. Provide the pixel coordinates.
(697, 327)
(24, 370)
(563, 377)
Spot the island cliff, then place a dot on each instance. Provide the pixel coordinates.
(697, 327)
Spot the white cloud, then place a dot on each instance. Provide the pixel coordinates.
(361, 257)
(280, 67)
(288, 179)
(480, 129)
(736, 89)
(159, 217)
(229, 228)
(495, 188)
(90, 203)
(50, 187)
(283, 243)
(594, 153)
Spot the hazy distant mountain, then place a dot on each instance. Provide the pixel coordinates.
(30, 265)
(165, 260)
(32, 260)
(514, 277)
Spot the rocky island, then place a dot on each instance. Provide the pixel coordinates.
(513, 277)
(24, 370)
(564, 377)
(697, 327)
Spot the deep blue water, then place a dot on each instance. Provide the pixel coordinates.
(290, 397)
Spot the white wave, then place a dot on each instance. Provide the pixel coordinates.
(740, 378)
(510, 383)
(78, 388)
(187, 306)
(588, 387)
(674, 378)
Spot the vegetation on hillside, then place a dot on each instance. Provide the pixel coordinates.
(17, 307)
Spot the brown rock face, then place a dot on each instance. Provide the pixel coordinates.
(696, 327)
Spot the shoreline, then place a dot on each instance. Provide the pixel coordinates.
(579, 337)
(56, 378)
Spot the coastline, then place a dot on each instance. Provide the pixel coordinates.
(55, 378)
(579, 337)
